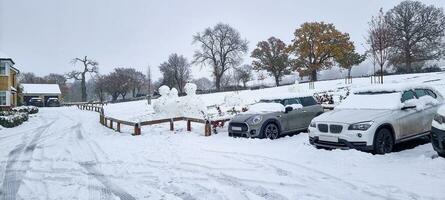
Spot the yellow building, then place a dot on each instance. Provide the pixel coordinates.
(8, 82)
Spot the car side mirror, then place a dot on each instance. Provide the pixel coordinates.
(288, 109)
(409, 105)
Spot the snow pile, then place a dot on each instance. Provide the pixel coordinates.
(233, 99)
(372, 101)
(192, 105)
(295, 106)
(295, 88)
(265, 107)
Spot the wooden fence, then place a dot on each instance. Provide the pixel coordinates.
(116, 124)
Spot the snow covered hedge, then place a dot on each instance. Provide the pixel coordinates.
(11, 119)
(26, 109)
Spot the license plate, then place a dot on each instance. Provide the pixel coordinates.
(236, 128)
(328, 138)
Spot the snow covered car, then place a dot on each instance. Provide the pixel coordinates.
(277, 116)
(376, 118)
(438, 132)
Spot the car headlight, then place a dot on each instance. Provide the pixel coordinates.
(439, 118)
(255, 119)
(361, 126)
(313, 124)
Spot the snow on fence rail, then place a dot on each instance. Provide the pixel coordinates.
(110, 122)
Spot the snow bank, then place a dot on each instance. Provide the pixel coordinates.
(265, 107)
(372, 101)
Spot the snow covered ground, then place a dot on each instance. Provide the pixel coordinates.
(64, 153)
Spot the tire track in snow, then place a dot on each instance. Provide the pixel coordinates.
(15, 168)
(91, 147)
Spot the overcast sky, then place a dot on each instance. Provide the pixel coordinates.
(43, 36)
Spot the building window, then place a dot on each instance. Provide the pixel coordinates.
(2, 68)
(2, 98)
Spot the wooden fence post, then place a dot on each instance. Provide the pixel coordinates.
(111, 123)
(189, 125)
(207, 129)
(137, 129)
(118, 127)
(172, 127)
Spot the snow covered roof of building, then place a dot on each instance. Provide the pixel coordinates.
(41, 88)
(3, 56)
(392, 87)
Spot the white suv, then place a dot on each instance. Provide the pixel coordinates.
(376, 118)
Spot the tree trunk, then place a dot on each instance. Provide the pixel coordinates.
(381, 73)
(314, 75)
(218, 83)
(83, 88)
(277, 80)
(349, 72)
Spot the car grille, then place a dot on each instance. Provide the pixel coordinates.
(243, 126)
(323, 128)
(335, 128)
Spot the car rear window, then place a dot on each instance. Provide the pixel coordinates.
(308, 101)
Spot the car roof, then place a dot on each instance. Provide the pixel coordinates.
(287, 96)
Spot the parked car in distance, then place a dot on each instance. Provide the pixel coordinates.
(276, 116)
(52, 102)
(35, 101)
(438, 132)
(376, 118)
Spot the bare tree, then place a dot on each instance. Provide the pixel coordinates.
(417, 33)
(176, 71)
(272, 56)
(243, 74)
(221, 47)
(149, 84)
(379, 41)
(100, 86)
(89, 66)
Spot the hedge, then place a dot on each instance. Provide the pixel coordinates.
(16, 116)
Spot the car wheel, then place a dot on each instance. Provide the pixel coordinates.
(383, 142)
(271, 131)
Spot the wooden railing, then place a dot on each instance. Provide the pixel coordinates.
(116, 124)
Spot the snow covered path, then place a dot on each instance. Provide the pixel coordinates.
(63, 153)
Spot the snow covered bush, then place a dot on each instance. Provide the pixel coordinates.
(27, 109)
(12, 119)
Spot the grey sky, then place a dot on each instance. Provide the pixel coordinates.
(43, 36)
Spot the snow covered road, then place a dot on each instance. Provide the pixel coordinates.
(64, 153)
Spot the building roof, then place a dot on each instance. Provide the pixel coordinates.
(41, 89)
(5, 57)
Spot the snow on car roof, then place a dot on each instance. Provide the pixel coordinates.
(392, 87)
(287, 96)
(41, 89)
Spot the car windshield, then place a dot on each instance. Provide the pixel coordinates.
(372, 100)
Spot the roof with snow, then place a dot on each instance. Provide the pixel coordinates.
(3, 56)
(41, 89)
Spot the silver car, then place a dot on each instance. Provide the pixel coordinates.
(376, 118)
(293, 114)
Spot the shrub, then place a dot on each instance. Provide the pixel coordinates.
(12, 119)
(26, 109)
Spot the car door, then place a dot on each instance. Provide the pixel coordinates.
(428, 111)
(293, 118)
(408, 120)
(310, 110)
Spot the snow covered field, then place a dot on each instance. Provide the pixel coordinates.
(64, 153)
